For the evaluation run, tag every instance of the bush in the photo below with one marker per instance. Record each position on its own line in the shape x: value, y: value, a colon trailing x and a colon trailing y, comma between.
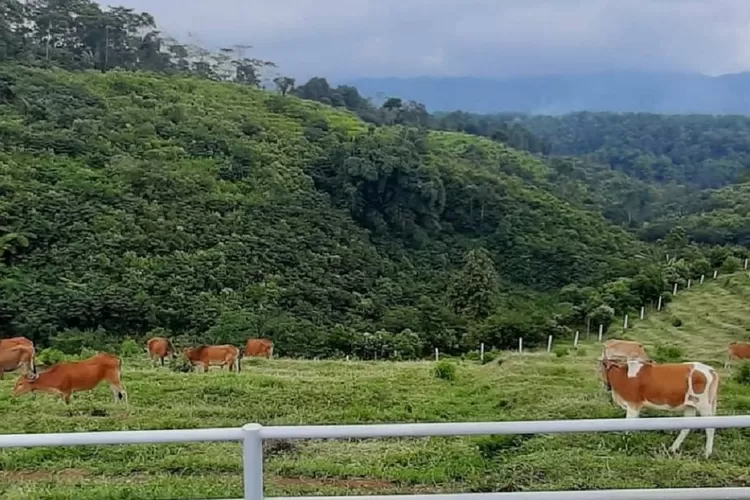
x: 676, y: 322
x: 668, y: 354
x: 445, y: 370
x: 73, y: 341
x: 581, y: 351
x: 561, y: 351
x: 731, y: 265
x: 130, y: 349
x: 50, y: 356
x: 742, y: 376
x: 180, y: 364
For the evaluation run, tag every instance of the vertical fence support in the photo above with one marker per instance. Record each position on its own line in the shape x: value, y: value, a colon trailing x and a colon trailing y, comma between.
x: 437, y: 354
x: 716, y: 273
x: 658, y: 308
x: 252, y: 462
x: 703, y: 277
x: 549, y: 344
x: 674, y: 290
x: 520, y: 345
x: 643, y: 312
x: 689, y: 282
x: 601, y: 331
x: 625, y: 323
x: 481, y: 351
x: 745, y: 264
x: 575, y: 341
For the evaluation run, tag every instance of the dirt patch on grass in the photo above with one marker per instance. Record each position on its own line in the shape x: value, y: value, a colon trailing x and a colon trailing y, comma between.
x: 335, y: 482
x: 71, y: 475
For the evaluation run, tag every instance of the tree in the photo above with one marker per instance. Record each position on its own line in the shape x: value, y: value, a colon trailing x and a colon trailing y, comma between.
x: 284, y: 84
x: 474, y: 287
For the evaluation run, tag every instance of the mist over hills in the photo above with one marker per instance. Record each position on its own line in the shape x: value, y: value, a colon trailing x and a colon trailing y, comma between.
x: 665, y: 93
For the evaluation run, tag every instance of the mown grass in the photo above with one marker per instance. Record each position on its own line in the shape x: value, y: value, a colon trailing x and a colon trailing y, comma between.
x: 522, y: 387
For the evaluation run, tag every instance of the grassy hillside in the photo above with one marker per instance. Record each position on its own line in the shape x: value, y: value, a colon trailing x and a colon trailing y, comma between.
x: 531, y: 386
x: 133, y: 202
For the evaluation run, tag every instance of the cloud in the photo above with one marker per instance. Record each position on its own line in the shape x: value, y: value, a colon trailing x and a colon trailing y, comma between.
x: 345, y: 38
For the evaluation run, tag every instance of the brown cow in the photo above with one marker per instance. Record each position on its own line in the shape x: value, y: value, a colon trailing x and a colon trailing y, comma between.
x: 627, y: 349
x: 687, y: 387
x: 207, y: 355
x: 159, y: 348
x: 14, y: 341
x: 19, y: 356
x: 736, y: 351
x: 259, y: 347
x: 68, y: 377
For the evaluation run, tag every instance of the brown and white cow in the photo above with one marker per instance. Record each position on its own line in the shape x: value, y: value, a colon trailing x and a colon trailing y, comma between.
x: 259, y: 347
x: 159, y: 348
x: 68, y: 377
x: 688, y: 387
x: 737, y: 351
x: 207, y: 355
x: 18, y: 356
x: 625, y: 349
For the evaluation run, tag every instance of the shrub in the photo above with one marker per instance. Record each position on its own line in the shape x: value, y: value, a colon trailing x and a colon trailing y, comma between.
x: 180, y: 364
x: 445, y: 370
x: 50, y: 356
x: 742, y: 376
x: 676, y: 322
x: 73, y: 341
x: 581, y: 351
x: 130, y: 349
x: 561, y: 351
x: 668, y: 354
x: 731, y: 264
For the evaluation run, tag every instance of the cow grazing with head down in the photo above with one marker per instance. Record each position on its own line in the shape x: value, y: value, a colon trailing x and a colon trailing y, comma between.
x: 207, y: 355
x: 160, y: 348
x: 18, y: 356
x: 737, y: 351
x: 68, y: 377
x: 687, y: 387
x: 259, y: 347
x: 624, y: 349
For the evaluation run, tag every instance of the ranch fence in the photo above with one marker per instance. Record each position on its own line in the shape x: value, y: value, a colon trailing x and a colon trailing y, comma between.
x: 252, y: 436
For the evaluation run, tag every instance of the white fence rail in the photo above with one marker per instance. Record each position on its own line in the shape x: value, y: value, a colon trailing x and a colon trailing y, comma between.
x: 252, y: 435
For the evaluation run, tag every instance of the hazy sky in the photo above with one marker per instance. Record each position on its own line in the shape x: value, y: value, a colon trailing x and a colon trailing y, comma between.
x: 345, y: 38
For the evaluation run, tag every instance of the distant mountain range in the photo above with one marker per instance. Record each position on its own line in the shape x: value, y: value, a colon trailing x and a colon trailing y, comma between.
x: 669, y: 93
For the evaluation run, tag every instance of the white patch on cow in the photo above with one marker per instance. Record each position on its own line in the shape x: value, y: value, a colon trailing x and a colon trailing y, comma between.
x: 634, y: 366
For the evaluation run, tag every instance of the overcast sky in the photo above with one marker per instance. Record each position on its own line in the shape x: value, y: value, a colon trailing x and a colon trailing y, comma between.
x: 349, y: 38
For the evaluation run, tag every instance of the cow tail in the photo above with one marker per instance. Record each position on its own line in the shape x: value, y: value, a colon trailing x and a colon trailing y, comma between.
x: 713, y: 391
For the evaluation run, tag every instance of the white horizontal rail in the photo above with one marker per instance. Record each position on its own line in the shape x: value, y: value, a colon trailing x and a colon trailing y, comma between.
x: 252, y: 436
x: 487, y: 428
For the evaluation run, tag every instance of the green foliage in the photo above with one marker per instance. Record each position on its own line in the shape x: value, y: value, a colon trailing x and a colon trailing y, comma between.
x: 473, y: 290
x: 676, y: 322
x: 445, y: 370
x: 129, y: 348
x: 742, y: 373
x: 731, y: 264
x: 180, y: 364
x: 669, y: 354
x: 51, y: 356
x: 560, y: 351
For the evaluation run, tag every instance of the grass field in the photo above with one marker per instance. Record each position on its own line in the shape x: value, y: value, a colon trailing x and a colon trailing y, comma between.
x: 531, y: 386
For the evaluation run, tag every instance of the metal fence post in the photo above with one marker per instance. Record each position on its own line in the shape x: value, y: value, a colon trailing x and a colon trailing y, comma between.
x: 252, y: 462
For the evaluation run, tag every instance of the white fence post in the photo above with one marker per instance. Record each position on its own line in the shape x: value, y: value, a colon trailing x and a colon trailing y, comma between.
x: 437, y: 354
x: 601, y: 331
x: 252, y: 462
x: 549, y: 344
x: 481, y: 351
x: 674, y: 290
x: 716, y: 273
x: 625, y: 323
x: 703, y: 277
x: 745, y: 263
x: 575, y: 341
x: 658, y: 308
x: 643, y: 312
x: 520, y: 345
x: 689, y: 281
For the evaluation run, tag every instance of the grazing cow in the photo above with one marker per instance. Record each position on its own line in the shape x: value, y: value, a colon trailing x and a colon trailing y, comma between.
x: 737, y: 350
x: 160, y: 348
x: 14, y: 341
x: 18, y: 356
x: 68, y: 377
x: 686, y: 387
x: 627, y: 349
x: 207, y: 355
x: 259, y: 347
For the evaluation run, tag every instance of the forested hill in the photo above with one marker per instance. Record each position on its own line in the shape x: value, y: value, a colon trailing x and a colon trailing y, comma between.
x: 699, y: 151
x: 133, y: 202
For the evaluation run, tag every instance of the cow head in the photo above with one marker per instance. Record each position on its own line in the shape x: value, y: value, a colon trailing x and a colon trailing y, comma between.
x: 605, y: 365
x: 25, y: 384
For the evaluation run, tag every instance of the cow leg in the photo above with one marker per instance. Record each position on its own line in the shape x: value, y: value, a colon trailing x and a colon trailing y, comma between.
x: 205, y: 367
x: 689, y: 412
x: 631, y: 412
x: 708, y: 411
x: 162, y: 360
x: 66, y: 397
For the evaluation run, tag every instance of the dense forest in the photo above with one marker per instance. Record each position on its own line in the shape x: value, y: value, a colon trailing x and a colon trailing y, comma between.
x: 150, y: 186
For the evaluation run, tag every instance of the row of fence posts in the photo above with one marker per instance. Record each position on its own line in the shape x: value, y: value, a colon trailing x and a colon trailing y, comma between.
x: 625, y: 323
